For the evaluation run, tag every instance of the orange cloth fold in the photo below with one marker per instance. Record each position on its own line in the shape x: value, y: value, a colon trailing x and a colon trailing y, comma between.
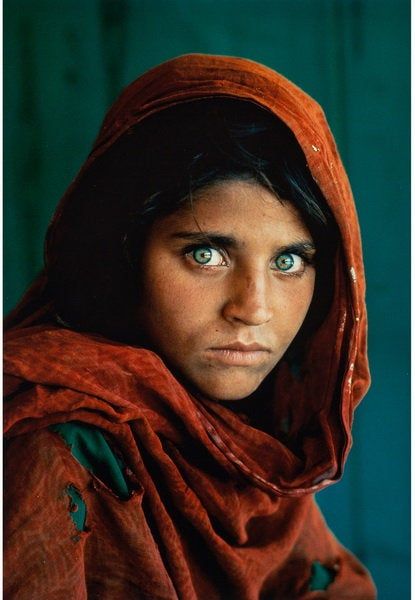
x: 221, y: 508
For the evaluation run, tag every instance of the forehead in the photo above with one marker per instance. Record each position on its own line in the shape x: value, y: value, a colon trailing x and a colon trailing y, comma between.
x: 241, y: 208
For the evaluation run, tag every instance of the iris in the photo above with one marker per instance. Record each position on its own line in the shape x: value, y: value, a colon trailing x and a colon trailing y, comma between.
x: 284, y: 262
x: 202, y: 255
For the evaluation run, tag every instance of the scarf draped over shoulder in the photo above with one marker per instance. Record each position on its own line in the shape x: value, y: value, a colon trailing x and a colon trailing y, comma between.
x: 217, y: 508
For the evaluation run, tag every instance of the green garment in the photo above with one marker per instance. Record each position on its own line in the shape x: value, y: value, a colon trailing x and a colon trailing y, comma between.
x: 91, y: 449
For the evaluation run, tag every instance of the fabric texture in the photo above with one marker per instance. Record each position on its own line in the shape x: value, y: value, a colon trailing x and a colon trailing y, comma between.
x: 89, y: 446
x: 217, y: 508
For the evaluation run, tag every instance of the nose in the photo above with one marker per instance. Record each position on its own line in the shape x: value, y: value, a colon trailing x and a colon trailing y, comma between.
x: 248, y: 300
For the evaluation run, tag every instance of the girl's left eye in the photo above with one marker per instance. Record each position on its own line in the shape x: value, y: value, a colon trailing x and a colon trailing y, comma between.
x: 205, y: 255
x: 289, y: 263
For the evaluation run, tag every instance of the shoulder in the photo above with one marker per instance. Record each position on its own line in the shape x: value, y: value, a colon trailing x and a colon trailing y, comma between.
x: 39, y: 475
x: 68, y: 534
x: 37, y: 457
x: 42, y: 541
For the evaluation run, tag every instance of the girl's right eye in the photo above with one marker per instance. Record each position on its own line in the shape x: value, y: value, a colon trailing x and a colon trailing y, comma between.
x: 207, y: 256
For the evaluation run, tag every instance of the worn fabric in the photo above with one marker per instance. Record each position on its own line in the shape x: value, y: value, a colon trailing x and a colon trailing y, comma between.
x: 217, y: 507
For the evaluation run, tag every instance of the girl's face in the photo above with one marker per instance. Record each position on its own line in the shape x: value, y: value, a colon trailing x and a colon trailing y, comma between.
x: 227, y: 284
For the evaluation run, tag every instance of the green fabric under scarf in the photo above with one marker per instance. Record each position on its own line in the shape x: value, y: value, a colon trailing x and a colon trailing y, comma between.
x: 90, y: 448
x: 77, y: 508
x: 321, y: 577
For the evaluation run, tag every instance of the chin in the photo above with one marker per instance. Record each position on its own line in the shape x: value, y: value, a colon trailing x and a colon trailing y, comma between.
x: 221, y: 384
x: 228, y: 391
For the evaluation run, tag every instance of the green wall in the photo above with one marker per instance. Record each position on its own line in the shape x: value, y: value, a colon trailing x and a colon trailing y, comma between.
x: 65, y: 61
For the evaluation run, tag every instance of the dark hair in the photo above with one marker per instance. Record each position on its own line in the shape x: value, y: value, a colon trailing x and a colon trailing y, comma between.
x: 151, y: 172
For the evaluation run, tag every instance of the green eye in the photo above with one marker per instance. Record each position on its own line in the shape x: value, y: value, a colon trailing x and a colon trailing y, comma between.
x: 289, y: 263
x: 285, y: 262
x: 202, y: 255
x: 206, y: 256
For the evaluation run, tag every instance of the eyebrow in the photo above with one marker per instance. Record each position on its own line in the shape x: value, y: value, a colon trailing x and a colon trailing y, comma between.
x: 213, y: 238
x: 217, y: 239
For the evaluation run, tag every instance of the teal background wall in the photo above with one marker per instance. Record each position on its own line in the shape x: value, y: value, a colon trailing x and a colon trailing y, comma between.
x: 65, y: 61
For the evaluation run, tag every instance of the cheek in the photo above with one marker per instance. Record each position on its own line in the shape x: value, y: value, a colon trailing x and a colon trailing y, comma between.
x: 305, y: 297
x: 297, y: 304
x: 172, y: 310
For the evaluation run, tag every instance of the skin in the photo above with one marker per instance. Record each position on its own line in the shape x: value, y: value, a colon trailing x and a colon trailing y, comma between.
x: 223, y: 325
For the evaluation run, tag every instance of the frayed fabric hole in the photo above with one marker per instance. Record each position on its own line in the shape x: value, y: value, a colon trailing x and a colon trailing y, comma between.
x: 77, y: 507
x: 321, y: 576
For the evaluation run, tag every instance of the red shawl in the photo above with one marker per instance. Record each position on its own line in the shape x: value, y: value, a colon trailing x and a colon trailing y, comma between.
x: 221, y: 509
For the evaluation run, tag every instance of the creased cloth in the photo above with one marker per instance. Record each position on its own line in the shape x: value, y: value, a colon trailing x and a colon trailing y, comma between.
x: 220, y: 509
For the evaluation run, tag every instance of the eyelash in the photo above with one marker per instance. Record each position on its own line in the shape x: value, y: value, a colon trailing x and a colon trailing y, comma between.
x: 189, y: 251
x: 306, y: 260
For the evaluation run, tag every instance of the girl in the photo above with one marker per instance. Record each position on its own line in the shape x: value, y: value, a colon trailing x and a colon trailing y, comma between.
x: 181, y: 378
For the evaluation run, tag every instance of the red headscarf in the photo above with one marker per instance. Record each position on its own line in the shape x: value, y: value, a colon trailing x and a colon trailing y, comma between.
x: 208, y: 479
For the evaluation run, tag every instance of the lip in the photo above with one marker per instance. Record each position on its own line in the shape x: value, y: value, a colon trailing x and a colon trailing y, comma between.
x: 239, y: 354
x: 241, y: 347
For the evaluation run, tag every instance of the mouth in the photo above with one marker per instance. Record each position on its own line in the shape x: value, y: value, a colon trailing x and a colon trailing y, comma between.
x: 238, y: 354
